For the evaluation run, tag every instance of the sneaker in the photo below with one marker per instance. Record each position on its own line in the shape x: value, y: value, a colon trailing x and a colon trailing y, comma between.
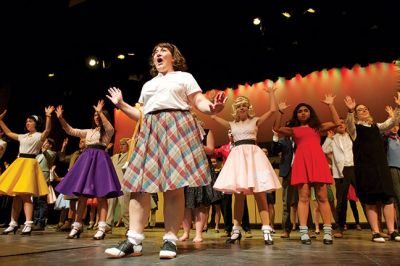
x: 395, y: 236
x: 124, y: 248
x: 168, y: 250
x: 248, y: 234
x: 376, y: 237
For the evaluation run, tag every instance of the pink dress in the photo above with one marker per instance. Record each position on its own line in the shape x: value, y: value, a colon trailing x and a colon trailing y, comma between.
x: 247, y: 168
x: 310, y: 164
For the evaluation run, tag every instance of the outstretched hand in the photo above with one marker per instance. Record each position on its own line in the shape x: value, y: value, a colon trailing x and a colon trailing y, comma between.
x: 350, y: 103
x: 389, y: 109
x: 329, y: 99
x: 99, y: 107
x: 48, y: 110
x: 3, y: 114
x: 282, y: 106
x: 270, y: 89
x: 115, y: 95
x: 59, y: 111
x: 219, y: 102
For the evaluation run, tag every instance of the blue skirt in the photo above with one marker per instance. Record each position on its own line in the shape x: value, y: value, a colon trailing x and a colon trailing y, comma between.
x: 93, y: 175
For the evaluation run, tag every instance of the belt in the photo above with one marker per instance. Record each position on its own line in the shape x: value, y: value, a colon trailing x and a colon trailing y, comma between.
x: 167, y: 110
x: 245, y: 141
x: 96, y: 146
x: 27, y: 155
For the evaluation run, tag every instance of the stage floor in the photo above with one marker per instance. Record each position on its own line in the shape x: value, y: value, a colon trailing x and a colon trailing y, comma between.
x: 51, y: 248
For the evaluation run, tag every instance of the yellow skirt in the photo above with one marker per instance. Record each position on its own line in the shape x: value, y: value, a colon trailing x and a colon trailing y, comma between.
x: 23, y: 176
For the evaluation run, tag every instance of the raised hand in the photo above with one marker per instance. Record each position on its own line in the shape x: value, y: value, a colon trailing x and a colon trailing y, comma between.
x: 329, y: 99
x: 99, y: 107
x: 282, y: 106
x: 115, y: 95
x: 350, y: 103
x: 389, y: 109
x: 3, y: 114
x: 219, y: 102
x: 270, y: 89
x: 48, y: 110
x: 59, y: 111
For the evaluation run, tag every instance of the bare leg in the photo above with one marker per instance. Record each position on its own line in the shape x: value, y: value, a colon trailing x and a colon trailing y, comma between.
x: 201, y: 216
x: 238, y: 209
x: 174, y: 204
x: 139, y: 210
x: 389, y: 213
x: 186, y: 224
x: 304, y: 202
x: 372, y: 215
x: 262, y: 205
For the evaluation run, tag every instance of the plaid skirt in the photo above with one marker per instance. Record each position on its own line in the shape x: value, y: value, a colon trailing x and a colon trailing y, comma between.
x: 169, y: 154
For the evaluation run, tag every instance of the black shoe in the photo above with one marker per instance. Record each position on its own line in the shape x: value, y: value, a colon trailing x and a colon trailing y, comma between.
x: 100, y: 237
x: 394, y: 236
x: 168, y: 250
x: 124, y: 248
x: 328, y: 241
x: 306, y: 241
x: 74, y: 233
x: 9, y: 230
x: 233, y: 240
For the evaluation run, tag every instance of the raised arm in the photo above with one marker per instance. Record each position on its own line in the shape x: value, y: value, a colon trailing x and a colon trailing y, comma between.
x: 350, y: 119
x: 48, y: 110
x: 107, y: 125
x: 272, y: 104
x: 115, y: 96
x: 286, y: 131
x: 68, y: 129
x: 221, y: 121
x: 5, y: 128
x: 204, y: 105
x: 394, y: 115
x: 330, y: 102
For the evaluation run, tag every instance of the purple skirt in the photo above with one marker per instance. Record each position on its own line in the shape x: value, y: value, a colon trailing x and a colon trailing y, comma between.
x: 93, y: 175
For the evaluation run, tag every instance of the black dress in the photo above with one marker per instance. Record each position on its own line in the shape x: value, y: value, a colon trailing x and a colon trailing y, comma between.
x: 372, y: 172
x: 203, y: 196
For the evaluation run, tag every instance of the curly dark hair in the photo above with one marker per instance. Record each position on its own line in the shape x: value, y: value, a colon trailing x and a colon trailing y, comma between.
x: 313, y: 121
x: 179, y: 60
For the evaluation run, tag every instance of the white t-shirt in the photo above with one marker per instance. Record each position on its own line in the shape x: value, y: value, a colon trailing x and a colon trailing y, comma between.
x: 30, y: 143
x: 169, y: 91
x: 3, y: 146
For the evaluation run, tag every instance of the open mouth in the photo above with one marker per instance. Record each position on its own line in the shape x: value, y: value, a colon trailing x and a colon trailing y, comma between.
x: 159, y: 60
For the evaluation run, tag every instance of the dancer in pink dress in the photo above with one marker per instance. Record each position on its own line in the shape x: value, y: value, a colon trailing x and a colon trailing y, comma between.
x: 310, y: 166
x: 247, y: 169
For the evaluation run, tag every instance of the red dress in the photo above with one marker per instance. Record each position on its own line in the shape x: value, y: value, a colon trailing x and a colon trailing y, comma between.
x: 310, y: 164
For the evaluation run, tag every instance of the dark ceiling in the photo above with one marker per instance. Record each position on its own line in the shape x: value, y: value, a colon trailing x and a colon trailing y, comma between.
x: 222, y: 47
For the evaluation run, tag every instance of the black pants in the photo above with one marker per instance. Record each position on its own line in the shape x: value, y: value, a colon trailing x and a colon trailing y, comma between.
x: 342, y: 189
x: 226, y: 209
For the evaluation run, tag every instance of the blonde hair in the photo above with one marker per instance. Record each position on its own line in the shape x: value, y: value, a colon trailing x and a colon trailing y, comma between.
x: 369, y: 120
x: 239, y: 101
